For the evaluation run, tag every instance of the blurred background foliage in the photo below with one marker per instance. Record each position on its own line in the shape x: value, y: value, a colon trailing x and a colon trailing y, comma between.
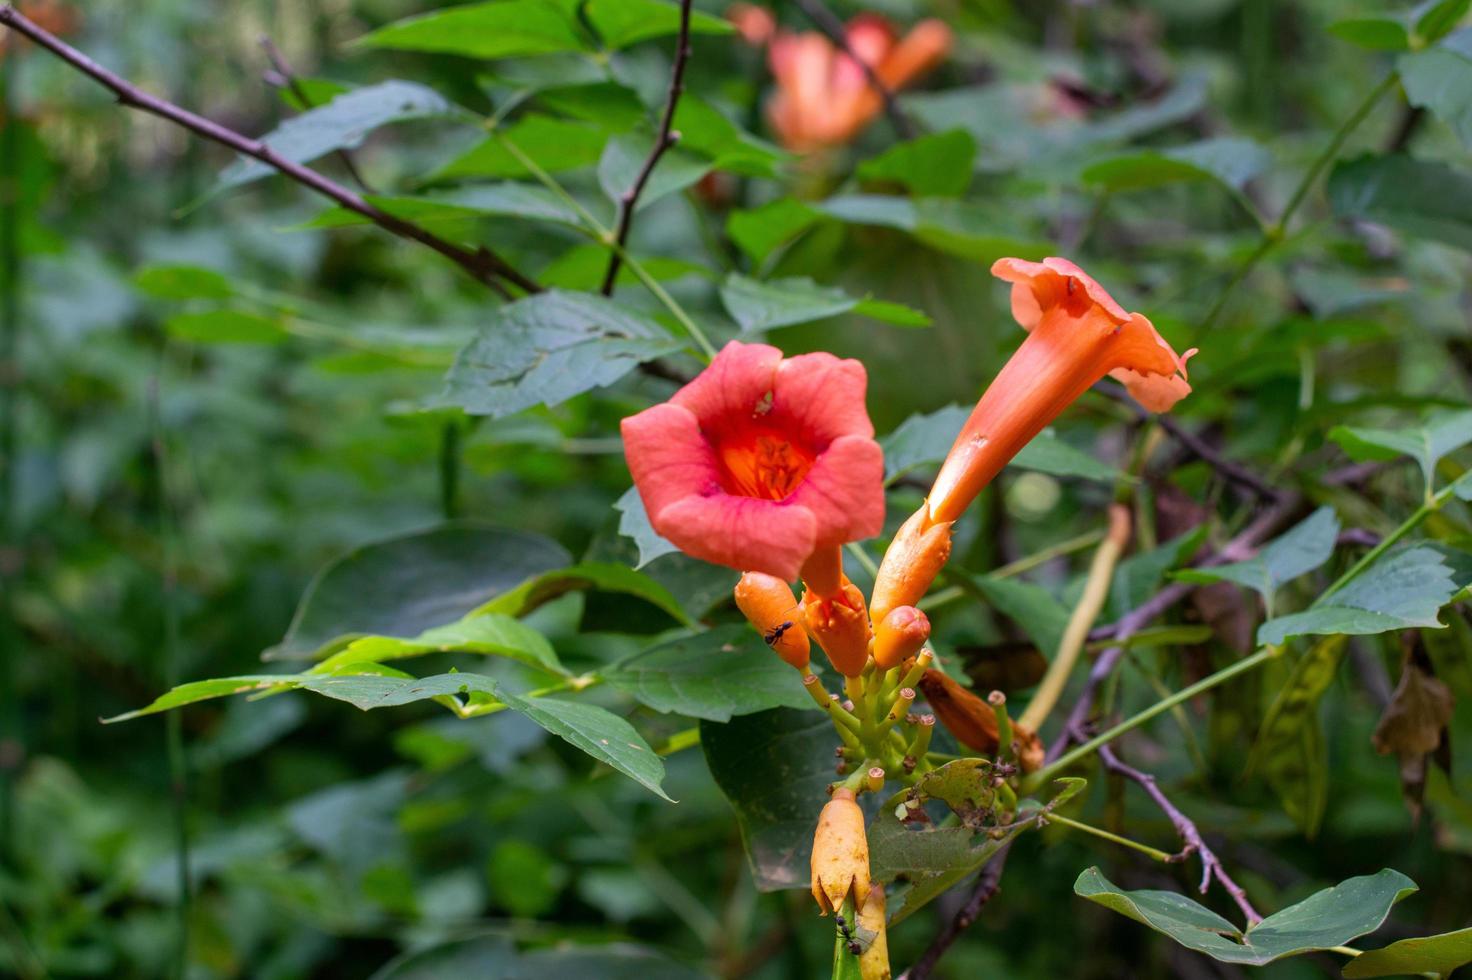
x: 171, y: 496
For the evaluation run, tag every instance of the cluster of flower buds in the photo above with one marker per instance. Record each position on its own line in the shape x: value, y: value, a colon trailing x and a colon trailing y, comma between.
x: 769, y: 465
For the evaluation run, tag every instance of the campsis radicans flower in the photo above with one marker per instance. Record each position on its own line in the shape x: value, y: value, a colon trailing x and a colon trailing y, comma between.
x: 824, y: 97
x: 761, y: 461
x: 840, y: 863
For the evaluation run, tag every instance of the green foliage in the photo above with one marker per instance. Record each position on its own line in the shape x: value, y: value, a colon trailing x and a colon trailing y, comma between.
x: 785, y: 302
x: 1433, y: 954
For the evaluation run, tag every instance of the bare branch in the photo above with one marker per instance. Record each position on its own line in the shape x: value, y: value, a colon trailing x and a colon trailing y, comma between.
x: 284, y: 77
x: 484, y: 265
x: 663, y: 140
x: 827, y: 22
x: 1211, y: 865
x: 988, y: 883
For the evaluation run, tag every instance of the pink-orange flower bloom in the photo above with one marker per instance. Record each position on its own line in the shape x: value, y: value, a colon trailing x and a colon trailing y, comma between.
x: 1077, y: 335
x: 761, y: 460
x: 824, y: 97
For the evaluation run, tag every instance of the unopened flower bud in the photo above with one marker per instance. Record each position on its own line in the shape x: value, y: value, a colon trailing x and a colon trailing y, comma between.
x: 874, y: 961
x: 912, y: 562
x: 840, y: 624
x: 840, y: 853
x: 772, y: 608
x: 970, y: 719
x: 899, y: 636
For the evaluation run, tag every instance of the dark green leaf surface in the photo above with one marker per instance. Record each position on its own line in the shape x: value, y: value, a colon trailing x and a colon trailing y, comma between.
x: 1418, y: 197
x: 1297, y: 552
x: 939, y: 164
x: 1430, y: 954
x: 1231, y: 161
x: 784, y: 302
x: 557, y: 146
x: 498, y: 29
x: 1440, y: 79
x: 481, y: 632
x: 597, y: 576
x: 624, y: 157
x: 1426, y: 443
x: 225, y: 326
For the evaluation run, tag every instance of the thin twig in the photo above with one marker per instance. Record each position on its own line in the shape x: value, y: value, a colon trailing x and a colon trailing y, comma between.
x: 1211, y: 865
x: 285, y: 78
x: 663, y: 140
x: 481, y: 263
x: 1197, y: 446
x: 988, y: 883
x: 827, y: 22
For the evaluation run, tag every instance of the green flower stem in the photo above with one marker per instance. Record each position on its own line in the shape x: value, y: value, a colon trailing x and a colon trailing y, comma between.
x: 1043, y: 775
x: 1155, y: 853
x: 606, y: 237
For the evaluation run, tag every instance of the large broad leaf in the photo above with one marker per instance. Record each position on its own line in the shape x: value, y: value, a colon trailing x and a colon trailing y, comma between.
x: 595, y: 576
x: 547, y: 348
x: 1297, y: 552
x: 341, y: 124
x: 784, y: 302
x: 925, y: 439
x: 761, y: 231
x: 498, y: 29
x: 969, y: 229
x: 406, y: 585
x: 1440, y: 79
x: 1402, y: 590
x: 713, y: 676
x: 1042, y: 617
x: 1418, y: 197
x: 937, y: 165
x: 1324, y: 920
x: 493, y: 634
x: 1230, y: 161
x: 1426, y: 443
x: 1402, y: 30
x: 928, y: 861
x: 1431, y: 954
x: 774, y: 767
x: 624, y: 157
x: 557, y: 145
x: 620, y: 23
x: 705, y: 130
x: 633, y: 522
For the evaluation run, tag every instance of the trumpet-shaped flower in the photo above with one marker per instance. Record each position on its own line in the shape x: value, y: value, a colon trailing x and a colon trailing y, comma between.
x: 1077, y: 335
x: 824, y: 97
x: 761, y: 460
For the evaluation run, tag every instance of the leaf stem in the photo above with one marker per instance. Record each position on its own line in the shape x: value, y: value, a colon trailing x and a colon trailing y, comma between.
x: 1419, y: 515
x: 1103, y: 834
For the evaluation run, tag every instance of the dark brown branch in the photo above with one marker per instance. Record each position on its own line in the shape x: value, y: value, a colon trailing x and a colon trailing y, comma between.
x: 988, y: 883
x: 482, y: 264
x: 827, y: 22
x: 1211, y: 865
x: 663, y: 140
x: 283, y: 77
x: 1199, y: 447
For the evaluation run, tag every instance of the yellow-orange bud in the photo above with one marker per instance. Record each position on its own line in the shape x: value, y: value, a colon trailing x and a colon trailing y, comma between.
x: 840, y: 853
x: 874, y: 961
x: 912, y: 562
x: 772, y: 608
x: 840, y: 624
x: 899, y: 636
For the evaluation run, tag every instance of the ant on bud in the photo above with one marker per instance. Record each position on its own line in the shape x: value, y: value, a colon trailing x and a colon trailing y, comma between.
x: 773, y: 636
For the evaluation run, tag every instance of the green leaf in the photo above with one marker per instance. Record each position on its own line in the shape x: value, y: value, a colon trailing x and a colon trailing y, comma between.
x: 1374, y: 33
x: 480, y: 956
x: 1418, y: 197
x: 547, y: 348
x: 598, y: 576
x: 1289, y: 750
x: 582, y: 268
x: 406, y: 585
x: 1042, y: 617
x: 225, y: 326
x: 1230, y: 161
x: 705, y: 130
x: 783, y: 302
x: 713, y: 676
x: 611, y: 961
x: 341, y: 124
x: 774, y: 767
x: 605, y: 103
x: 1137, y: 577
x: 931, y: 860
x: 557, y: 145
x: 1440, y: 79
x: 1402, y: 590
x: 633, y: 522
x: 1434, y: 18
x: 1299, y: 551
x: 621, y: 23
x: 968, y: 229
x: 1430, y: 954
x: 925, y: 439
x: 183, y: 282
x: 1324, y: 920
x: 761, y: 231
x: 499, y: 29
x: 1427, y: 444
x: 938, y: 164
x: 624, y: 157
x: 196, y: 691
x: 487, y: 633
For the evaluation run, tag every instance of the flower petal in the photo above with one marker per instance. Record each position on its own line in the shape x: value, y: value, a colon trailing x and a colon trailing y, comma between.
x: 1040, y: 286
x: 668, y: 457
x: 745, y: 533
x: 734, y: 386
x: 823, y: 397
x: 845, y: 492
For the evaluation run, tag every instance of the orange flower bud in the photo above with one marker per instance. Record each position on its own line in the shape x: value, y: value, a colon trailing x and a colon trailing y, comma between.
x: 970, y: 719
x: 772, y: 608
x: 874, y: 961
x: 840, y: 624
x: 840, y: 853
x: 912, y: 562
x: 899, y: 636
